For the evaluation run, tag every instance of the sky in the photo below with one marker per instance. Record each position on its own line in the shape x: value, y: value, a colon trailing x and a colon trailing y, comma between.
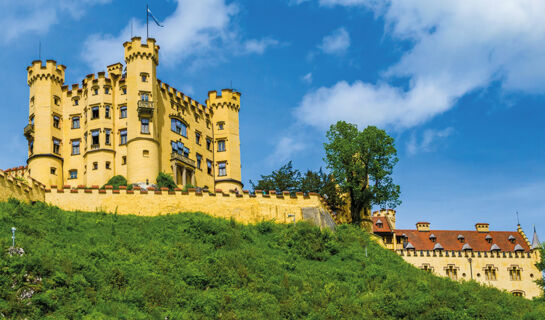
x: 459, y: 84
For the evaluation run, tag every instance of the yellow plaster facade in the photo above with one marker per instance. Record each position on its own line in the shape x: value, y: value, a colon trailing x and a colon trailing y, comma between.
x: 512, y: 271
x: 127, y: 122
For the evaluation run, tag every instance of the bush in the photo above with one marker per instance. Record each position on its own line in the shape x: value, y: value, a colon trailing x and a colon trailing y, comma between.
x: 165, y: 180
x: 116, y: 182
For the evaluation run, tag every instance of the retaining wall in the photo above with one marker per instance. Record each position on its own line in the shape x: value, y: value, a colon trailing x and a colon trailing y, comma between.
x: 25, y: 190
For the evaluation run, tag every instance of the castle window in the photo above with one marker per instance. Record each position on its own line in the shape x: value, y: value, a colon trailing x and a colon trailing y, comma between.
x: 515, y: 273
x: 107, y: 137
x: 95, y: 91
x: 95, y: 140
x: 107, y: 112
x: 198, y: 138
x: 144, y: 77
x: 123, y: 90
x: 221, y: 125
x: 123, y: 160
x: 123, y: 137
x: 209, y: 144
x: 56, y: 122
x: 75, y: 147
x: 76, y: 102
x: 95, y: 165
x: 426, y: 267
x: 199, y: 160
x: 222, y: 169
x: 75, y: 123
x: 221, y: 145
x: 518, y: 293
x: 144, y: 97
x: 490, y: 273
x: 56, y: 146
x: 452, y: 272
x: 94, y: 113
x: 31, y: 146
x: 57, y: 100
x: 209, y: 166
x: 123, y: 112
x: 145, y: 153
x: 32, y: 120
x: 144, y: 125
x: 178, y: 126
x: 73, y: 174
x: 32, y: 101
x: 186, y: 152
x: 53, y: 170
x: 106, y: 90
x: 108, y: 165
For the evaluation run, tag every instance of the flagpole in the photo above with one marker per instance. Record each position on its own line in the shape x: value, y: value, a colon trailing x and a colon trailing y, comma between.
x: 147, y: 18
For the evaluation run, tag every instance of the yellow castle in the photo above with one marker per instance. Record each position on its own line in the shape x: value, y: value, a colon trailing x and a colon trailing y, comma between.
x: 127, y: 122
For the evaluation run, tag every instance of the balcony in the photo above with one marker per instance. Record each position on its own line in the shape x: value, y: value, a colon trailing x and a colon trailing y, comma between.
x: 29, y: 131
x: 183, y: 159
x: 95, y: 146
x: 145, y: 107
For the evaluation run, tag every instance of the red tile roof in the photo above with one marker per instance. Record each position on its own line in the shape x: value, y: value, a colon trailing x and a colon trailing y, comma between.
x: 449, y: 239
x: 384, y: 227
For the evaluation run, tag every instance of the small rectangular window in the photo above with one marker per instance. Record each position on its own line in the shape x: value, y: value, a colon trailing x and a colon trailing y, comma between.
x: 123, y: 112
x: 221, y: 145
x: 209, y: 144
x: 56, y: 122
x: 145, y: 153
x: 107, y: 90
x: 95, y: 113
x: 178, y: 126
x: 76, y: 102
x: 95, y: 91
x: 56, y: 146
x: 107, y: 164
x: 73, y: 174
x: 124, y: 90
x: 75, y: 123
x: 75, y: 147
x: 31, y: 146
x: 124, y: 160
x: 221, y: 125
x: 198, y: 138
x: 107, y: 137
x: 145, y: 125
x: 123, y: 137
x: 209, y: 167
x: 199, y: 160
x: 53, y: 170
x: 95, y: 165
x: 144, y: 78
x: 144, y: 97
x: 107, y: 112
x: 95, y: 139
x: 222, y: 169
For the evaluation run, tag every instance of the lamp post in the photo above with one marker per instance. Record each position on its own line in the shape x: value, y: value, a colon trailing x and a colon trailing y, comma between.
x: 470, y: 267
x: 13, y: 236
x: 292, y: 216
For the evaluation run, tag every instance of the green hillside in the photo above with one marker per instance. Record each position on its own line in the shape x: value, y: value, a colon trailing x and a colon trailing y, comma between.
x: 191, y: 266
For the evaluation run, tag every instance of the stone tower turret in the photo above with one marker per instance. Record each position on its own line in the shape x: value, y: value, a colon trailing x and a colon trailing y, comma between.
x: 43, y: 132
x: 227, y: 167
x: 143, y: 147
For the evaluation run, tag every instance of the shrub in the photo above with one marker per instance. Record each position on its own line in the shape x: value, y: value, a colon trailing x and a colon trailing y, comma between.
x: 165, y: 180
x: 116, y: 182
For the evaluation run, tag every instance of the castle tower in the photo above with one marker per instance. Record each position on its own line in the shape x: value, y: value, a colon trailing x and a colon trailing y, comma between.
x: 43, y: 132
x: 227, y: 166
x: 142, y: 117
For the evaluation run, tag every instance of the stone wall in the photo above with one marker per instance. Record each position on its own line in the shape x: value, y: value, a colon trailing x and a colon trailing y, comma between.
x: 24, y: 189
x: 244, y: 207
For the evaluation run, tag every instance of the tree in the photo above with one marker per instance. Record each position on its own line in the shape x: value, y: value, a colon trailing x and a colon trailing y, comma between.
x: 284, y: 179
x: 324, y: 184
x: 165, y: 180
x: 361, y: 163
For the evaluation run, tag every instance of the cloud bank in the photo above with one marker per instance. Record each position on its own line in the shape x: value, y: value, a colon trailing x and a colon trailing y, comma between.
x: 457, y: 47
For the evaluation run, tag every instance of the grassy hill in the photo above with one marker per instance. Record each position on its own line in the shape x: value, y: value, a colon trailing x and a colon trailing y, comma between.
x: 98, y: 266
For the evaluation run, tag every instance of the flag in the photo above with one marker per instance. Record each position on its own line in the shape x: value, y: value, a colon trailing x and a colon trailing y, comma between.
x: 151, y: 14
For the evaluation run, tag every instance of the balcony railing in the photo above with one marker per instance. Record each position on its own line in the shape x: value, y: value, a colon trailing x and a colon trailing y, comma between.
x: 95, y: 146
x: 145, y: 107
x: 182, y: 158
x: 29, y: 130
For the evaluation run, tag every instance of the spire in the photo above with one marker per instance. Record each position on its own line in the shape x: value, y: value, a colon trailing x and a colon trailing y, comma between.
x: 535, y: 241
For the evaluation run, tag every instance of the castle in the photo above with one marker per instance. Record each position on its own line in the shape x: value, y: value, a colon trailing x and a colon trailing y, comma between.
x: 127, y: 122
x: 502, y: 259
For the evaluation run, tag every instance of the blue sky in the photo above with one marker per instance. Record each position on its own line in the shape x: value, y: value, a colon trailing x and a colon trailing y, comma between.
x: 459, y: 84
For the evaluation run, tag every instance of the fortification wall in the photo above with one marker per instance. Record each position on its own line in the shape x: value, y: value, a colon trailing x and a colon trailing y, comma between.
x: 244, y: 208
x: 24, y: 190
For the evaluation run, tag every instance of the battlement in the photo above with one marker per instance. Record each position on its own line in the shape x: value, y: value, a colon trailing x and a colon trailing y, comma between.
x: 464, y: 254
x: 226, y: 97
x: 19, y: 187
x: 180, y: 97
x: 136, y: 49
x: 115, y: 70
x: 51, y: 71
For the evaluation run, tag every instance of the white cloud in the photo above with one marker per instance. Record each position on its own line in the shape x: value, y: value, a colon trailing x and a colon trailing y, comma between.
x: 336, y: 43
x: 307, y: 78
x: 429, y: 138
x: 457, y: 47
x: 195, y: 28
x: 37, y: 16
x: 285, y: 148
x: 259, y: 46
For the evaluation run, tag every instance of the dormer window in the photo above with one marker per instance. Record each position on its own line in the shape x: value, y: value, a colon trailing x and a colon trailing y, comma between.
x: 511, y: 239
x: 488, y: 238
x: 379, y: 223
x: 433, y: 238
x: 461, y: 238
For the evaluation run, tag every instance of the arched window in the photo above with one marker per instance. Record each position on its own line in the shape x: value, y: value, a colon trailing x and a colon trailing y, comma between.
x: 515, y: 273
x: 178, y: 126
x: 452, y: 272
x: 490, y: 273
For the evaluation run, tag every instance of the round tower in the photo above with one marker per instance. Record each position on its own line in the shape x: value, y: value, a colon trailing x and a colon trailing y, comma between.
x: 142, y: 120
x: 225, y: 107
x: 43, y: 132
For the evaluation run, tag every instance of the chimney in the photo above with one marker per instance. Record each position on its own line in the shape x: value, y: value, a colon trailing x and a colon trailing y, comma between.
x: 481, y: 227
x: 423, y: 226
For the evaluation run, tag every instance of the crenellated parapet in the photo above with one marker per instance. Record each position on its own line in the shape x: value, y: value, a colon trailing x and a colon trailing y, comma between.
x: 51, y: 71
x: 135, y: 49
x: 226, y: 98
x: 19, y: 187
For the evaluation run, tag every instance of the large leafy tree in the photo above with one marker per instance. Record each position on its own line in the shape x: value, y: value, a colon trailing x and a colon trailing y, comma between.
x: 324, y: 184
x: 284, y: 179
x: 362, y: 163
